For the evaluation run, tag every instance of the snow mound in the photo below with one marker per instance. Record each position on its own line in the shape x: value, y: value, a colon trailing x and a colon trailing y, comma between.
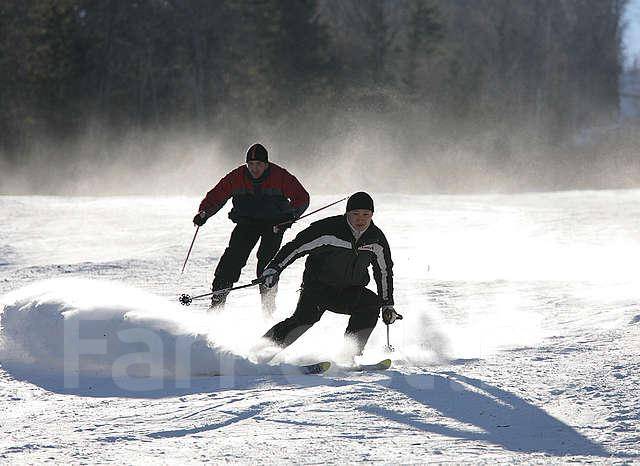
x: 107, y: 329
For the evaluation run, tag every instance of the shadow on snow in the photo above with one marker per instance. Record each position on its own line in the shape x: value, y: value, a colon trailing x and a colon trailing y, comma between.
x: 497, y: 416
x: 283, y: 377
x: 474, y: 409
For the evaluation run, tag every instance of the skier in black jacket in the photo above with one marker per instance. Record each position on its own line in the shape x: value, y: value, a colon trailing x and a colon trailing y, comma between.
x: 339, y: 251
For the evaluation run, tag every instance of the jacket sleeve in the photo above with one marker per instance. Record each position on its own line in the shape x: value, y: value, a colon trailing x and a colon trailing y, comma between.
x: 308, y: 240
x: 295, y: 192
x: 218, y: 196
x: 383, y: 271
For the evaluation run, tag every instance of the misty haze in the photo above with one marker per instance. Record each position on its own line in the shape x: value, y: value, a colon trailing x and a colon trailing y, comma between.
x: 399, y: 96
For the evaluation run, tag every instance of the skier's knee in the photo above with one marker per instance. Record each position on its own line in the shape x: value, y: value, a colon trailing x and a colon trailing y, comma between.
x: 371, y: 318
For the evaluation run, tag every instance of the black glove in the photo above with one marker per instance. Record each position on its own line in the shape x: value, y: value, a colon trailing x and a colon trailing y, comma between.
x: 389, y: 315
x: 200, y: 218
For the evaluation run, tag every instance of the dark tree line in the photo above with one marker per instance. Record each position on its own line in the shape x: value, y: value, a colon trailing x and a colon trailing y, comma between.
x: 550, y: 66
x: 153, y: 62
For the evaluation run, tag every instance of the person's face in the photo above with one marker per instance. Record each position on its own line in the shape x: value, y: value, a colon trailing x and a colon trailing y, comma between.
x: 360, y: 219
x: 256, y: 168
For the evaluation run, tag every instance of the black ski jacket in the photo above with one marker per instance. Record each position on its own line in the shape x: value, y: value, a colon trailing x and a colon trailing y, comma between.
x: 337, y: 260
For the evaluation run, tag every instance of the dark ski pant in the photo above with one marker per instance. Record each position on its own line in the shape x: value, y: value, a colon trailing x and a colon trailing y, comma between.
x: 243, y: 239
x: 359, y: 302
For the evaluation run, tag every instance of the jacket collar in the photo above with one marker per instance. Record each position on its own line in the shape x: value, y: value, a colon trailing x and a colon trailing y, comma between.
x: 264, y: 176
x: 366, y: 233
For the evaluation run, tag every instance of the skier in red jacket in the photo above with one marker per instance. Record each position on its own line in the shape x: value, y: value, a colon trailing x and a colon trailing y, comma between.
x: 263, y: 195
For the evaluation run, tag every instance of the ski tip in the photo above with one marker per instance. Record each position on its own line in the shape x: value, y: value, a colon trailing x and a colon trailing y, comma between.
x: 379, y: 366
x: 325, y: 366
x: 317, y: 368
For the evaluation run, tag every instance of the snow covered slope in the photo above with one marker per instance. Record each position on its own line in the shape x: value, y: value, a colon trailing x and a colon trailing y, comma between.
x: 521, y: 338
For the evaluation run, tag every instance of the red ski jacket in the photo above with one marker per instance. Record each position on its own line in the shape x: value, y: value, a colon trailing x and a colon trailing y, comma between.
x: 275, y: 197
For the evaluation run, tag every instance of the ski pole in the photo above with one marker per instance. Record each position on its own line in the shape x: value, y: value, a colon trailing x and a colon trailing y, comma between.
x: 390, y: 348
x: 185, y: 299
x: 275, y: 227
x: 188, y: 253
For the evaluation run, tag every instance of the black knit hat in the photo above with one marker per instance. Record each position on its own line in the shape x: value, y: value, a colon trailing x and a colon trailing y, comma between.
x: 257, y: 152
x: 360, y: 200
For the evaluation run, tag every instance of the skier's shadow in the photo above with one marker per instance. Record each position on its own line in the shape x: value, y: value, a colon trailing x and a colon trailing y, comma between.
x: 150, y: 388
x: 487, y: 413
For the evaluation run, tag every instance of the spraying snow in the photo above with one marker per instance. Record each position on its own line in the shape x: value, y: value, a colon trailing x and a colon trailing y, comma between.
x: 112, y: 330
